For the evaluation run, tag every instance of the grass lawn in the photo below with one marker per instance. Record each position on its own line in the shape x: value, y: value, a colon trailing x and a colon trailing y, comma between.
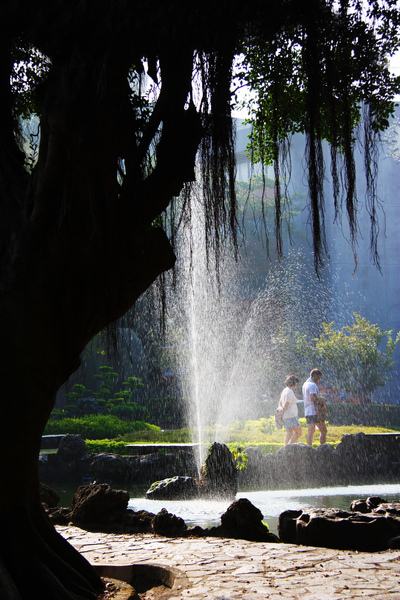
x: 262, y: 433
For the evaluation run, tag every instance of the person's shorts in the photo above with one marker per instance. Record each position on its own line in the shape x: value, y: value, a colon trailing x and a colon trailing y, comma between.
x: 311, y: 419
x: 290, y: 422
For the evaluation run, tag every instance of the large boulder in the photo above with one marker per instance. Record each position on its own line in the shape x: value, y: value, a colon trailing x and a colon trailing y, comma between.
x: 243, y: 520
x: 48, y: 496
x: 164, y: 523
x: 254, y: 473
x: 339, y: 529
x: 97, y: 504
x: 109, y: 468
x: 138, y: 521
x: 72, y: 447
x: 173, y: 488
x: 219, y: 474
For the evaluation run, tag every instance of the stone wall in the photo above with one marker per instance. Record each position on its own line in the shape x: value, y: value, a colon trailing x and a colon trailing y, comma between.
x: 358, y: 459
x: 72, y: 464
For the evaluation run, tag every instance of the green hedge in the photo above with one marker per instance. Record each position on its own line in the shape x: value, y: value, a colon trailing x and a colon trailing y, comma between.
x: 97, y: 427
x: 368, y: 415
x: 107, y: 446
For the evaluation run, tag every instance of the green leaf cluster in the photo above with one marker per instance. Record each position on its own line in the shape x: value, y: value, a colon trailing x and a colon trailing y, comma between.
x: 239, y: 456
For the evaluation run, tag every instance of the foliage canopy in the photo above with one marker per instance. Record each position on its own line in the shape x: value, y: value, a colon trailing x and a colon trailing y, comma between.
x: 325, y: 75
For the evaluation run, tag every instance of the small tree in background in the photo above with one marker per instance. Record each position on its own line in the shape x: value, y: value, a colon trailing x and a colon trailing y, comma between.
x: 352, y: 357
x: 119, y: 404
x: 107, y: 378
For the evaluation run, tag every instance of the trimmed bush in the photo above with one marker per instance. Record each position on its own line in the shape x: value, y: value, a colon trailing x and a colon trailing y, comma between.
x: 106, y: 446
x: 96, y: 427
x: 130, y: 412
x: 367, y: 415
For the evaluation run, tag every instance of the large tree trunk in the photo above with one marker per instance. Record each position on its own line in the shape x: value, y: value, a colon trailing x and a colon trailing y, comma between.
x: 48, y: 315
x: 78, y: 241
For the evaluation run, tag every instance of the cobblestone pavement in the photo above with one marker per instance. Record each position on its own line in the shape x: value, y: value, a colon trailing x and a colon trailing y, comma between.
x: 226, y: 569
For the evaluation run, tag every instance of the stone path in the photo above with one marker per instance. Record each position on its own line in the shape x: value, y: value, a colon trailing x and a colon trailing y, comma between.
x: 225, y: 569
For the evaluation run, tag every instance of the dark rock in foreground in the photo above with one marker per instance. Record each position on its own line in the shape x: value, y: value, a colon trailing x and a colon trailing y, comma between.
x: 243, y: 520
x: 370, y: 525
x: 164, y: 523
x: 138, y: 521
x: 376, y: 528
x: 48, y: 496
x: 96, y: 504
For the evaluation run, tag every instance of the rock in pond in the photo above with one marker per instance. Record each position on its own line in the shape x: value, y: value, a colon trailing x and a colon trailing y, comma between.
x: 376, y: 528
x: 48, y: 496
x: 173, y: 488
x: 219, y: 474
x: 72, y: 447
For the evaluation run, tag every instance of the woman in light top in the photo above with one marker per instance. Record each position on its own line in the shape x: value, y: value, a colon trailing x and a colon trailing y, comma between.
x: 288, y: 406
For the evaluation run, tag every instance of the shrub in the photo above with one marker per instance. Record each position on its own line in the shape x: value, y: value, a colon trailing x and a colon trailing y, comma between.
x: 130, y: 412
x: 96, y: 427
x: 107, y: 446
x: 368, y: 415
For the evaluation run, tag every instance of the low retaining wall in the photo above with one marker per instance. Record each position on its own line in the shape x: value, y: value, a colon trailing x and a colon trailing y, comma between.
x: 359, y: 459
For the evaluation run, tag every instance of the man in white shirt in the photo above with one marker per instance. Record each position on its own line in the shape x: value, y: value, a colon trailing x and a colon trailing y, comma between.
x: 310, y: 393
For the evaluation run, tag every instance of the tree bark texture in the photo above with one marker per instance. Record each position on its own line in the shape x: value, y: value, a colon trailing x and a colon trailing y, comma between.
x: 77, y: 248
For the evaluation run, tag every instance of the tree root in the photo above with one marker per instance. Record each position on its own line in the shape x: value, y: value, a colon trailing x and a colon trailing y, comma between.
x: 42, y: 564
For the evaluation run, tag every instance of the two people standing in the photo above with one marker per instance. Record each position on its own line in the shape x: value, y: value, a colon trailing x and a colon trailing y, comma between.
x: 288, y: 408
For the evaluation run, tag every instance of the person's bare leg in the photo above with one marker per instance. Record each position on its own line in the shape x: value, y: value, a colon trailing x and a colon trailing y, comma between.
x: 288, y: 435
x: 296, y: 434
x: 322, y: 433
x: 310, y: 434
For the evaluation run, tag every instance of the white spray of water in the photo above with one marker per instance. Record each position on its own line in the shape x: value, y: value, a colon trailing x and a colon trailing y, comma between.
x: 223, y: 331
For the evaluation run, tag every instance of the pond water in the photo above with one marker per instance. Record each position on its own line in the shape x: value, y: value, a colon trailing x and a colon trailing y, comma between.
x: 207, y: 513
